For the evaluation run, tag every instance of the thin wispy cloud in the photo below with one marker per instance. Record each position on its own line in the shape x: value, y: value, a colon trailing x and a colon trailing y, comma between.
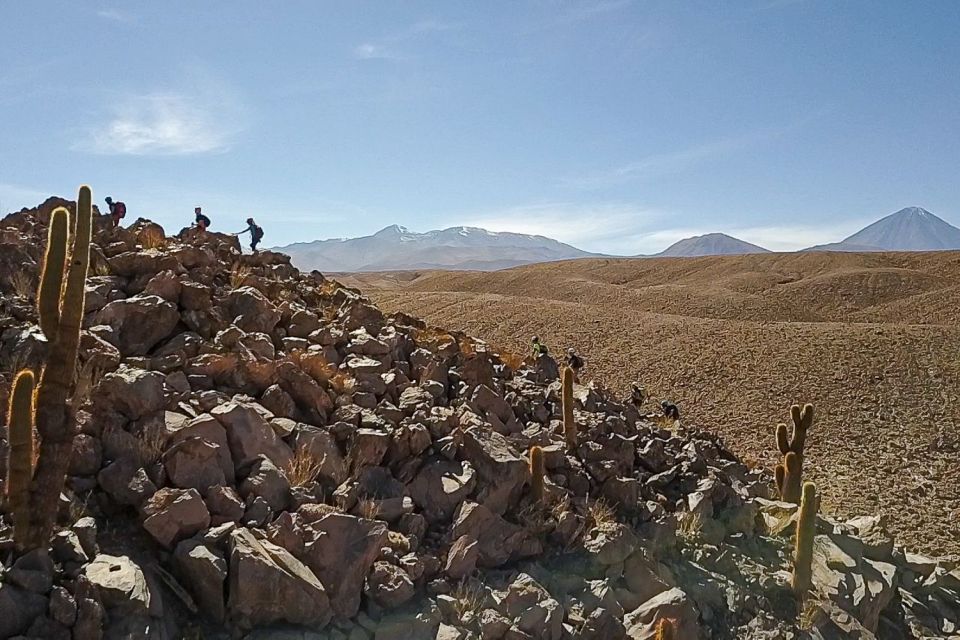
x: 391, y: 46
x: 204, y: 115
x: 116, y: 15
x: 672, y: 162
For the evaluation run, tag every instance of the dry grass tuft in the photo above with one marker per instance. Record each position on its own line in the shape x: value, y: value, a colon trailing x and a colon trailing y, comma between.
x: 152, y: 238
x: 304, y: 467
x: 150, y: 446
x: 470, y: 599
x: 368, y: 509
x: 600, y: 515
x: 23, y: 284
x: 690, y: 526
x: 238, y: 275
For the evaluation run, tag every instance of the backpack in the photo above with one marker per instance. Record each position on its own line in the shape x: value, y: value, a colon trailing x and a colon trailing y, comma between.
x: 257, y: 233
x: 119, y: 209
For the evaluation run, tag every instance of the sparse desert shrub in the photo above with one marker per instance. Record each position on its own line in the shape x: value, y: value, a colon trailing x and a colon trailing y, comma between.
x: 470, y: 599
x: 22, y: 284
x: 690, y: 526
x: 238, y: 275
x: 303, y: 468
x: 152, y: 238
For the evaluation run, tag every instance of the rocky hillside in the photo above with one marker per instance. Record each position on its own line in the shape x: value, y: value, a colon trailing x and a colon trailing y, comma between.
x: 263, y: 453
x: 711, y: 244
x: 396, y: 248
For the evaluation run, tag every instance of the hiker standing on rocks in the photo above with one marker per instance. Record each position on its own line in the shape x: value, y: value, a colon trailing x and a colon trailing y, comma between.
x: 638, y: 395
x: 202, y: 221
x: 538, y: 348
x: 256, y: 233
x: 575, y: 362
x: 670, y: 410
x: 118, y: 211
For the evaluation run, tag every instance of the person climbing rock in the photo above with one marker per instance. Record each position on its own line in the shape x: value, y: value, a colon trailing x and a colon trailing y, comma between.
x: 670, y: 410
x: 539, y: 349
x: 118, y: 211
x: 638, y: 395
x: 574, y: 361
x: 256, y: 233
x: 202, y: 221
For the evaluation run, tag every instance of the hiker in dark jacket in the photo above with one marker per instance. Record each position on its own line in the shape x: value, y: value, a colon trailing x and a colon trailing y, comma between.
x: 202, y: 221
x: 575, y: 362
x: 256, y: 233
x: 118, y: 211
x: 670, y: 410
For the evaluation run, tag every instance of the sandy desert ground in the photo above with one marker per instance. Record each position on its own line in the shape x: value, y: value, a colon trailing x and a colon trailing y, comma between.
x: 870, y: 339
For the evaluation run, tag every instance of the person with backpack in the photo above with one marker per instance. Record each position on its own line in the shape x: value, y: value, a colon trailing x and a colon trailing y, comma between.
x: 539, y: 348
x: 256, y: 233
x: 575, y: 362
x: 118, y: 211
x: 202, y: 221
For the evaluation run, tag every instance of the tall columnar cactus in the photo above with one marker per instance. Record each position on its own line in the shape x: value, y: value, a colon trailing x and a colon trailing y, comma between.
x: 790, y: 472
x: 803, y: 548
x: 569, y: 426
x: 60, y: 305
x: 20, y: 465
x: 537, y: 472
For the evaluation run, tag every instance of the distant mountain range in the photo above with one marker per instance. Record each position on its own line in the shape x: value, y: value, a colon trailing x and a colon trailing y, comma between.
x: 469, y: 248
x: 711, y: 244
x: 457, y: 248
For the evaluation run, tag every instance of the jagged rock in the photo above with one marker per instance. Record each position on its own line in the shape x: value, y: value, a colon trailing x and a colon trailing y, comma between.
x: 204, y: 570
x: 611, y: 543
x: 18, y: 608
x: 340, y: 549
x: 441, y: 486
x: 251, y: 310
x: 268, y: 585
x: 32, y: 571
x: 120, y: 583
x: 389, y: 585
x: 126, y: 482
x: 174, y: 514
x: 63, y: 607
x: 673, y: 604
x: 250, y: 435
x: 138, y: 323
x: 268, y: 482
x: 498, y: 539
x: 209, y: 429
x: 501, y: 469
x: 532, y: 609
x: 194, y: 463
x: 87, y: 455
x: 224, y: 504
x: 131, y: 391
x: 322, y: 447
x: 462, y: 557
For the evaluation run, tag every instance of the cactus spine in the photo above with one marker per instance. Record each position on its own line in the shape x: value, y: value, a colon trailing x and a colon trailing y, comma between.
x: 60, y: 305
x: 20, y: 465
x: 537, y: 471
x: 803, y: 547
x: 666, y: 630
x: 789, y: 473
x: 569, y: 426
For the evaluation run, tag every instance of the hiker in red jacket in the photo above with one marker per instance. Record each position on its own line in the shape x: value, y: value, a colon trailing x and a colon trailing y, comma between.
x: 118, y: 211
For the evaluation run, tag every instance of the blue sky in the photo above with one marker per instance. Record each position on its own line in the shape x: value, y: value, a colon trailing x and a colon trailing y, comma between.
x: 617, y: 125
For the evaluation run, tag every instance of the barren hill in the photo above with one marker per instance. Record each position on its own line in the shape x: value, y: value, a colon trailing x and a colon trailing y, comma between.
x: 871, y: 339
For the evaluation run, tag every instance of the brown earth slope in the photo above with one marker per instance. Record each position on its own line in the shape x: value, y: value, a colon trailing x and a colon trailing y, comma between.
x: 870, y: 339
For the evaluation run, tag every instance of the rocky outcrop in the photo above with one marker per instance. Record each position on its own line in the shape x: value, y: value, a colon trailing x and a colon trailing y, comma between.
x: 265, y: 451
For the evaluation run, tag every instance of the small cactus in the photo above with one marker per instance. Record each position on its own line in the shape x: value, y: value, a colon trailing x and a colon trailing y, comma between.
x: 803, y: 546
x: 802, y: 421
x: 569, y: 426
x: 789, y: 473
x: 537, y: 471
x: 20, y: 465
